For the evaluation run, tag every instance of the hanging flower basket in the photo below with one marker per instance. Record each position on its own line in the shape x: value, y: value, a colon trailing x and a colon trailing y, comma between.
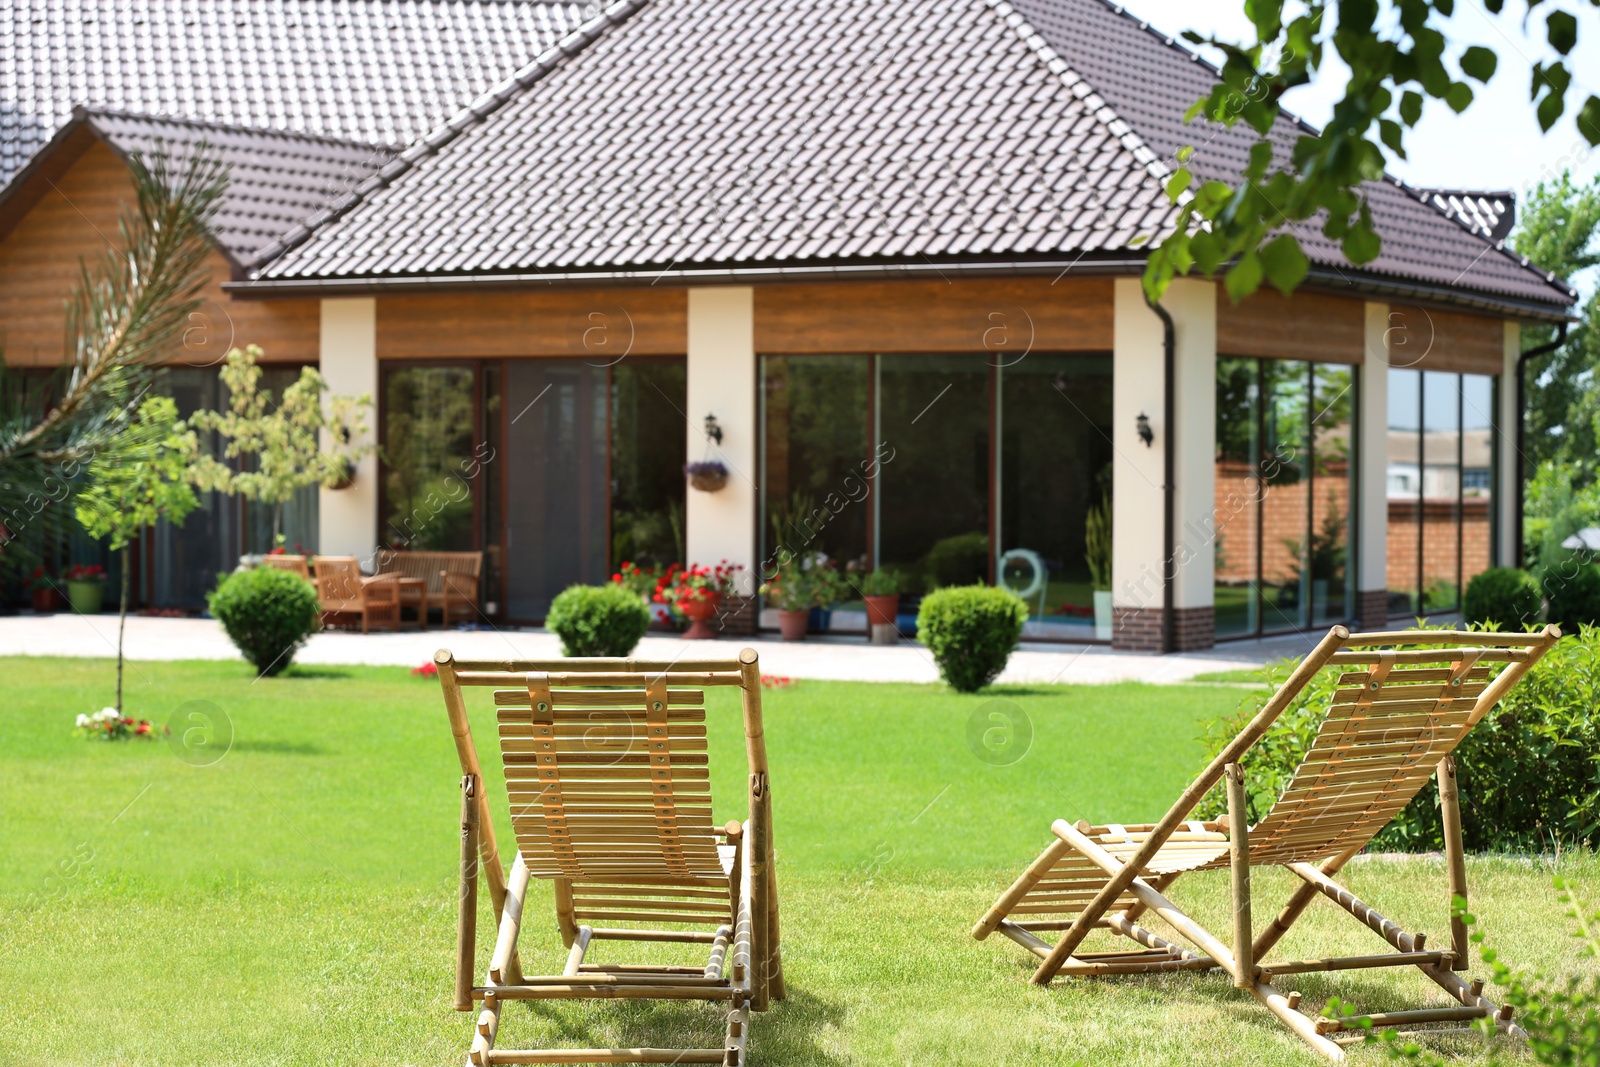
x: 345, y: 480
x: 708, y: 477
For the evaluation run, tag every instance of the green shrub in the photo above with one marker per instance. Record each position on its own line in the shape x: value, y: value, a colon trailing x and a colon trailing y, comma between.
x: 267, y: 613
x: 1529, y: 772
x: 881, y: 582
x: 971, y: 631
x: 598, y: 620
x: 1505, y: 596
x: 959, y: 560
x: 1573, y: 589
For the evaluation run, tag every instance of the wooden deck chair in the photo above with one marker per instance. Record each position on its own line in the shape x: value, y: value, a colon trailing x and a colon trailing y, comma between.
x: 608, y: 780
x: 1396, y: 717
x: 297, y: 565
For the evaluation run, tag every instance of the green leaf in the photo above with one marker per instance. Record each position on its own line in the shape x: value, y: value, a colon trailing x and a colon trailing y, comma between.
x: 1562, y: 29
x: 1479, y: 63
x: 1244, y: 277
x: 1459, y: 97
x: 1207, y: 254
x: 1410, y: 107
x: 1285, y: 264
x: 1390, y: 131
x: 1361, y: 243
x: 1185, y: 153
x: 1178, y: 182
x: 1589, y: 120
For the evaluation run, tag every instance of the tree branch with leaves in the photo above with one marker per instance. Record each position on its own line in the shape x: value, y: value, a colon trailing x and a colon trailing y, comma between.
x: 1397, y: 58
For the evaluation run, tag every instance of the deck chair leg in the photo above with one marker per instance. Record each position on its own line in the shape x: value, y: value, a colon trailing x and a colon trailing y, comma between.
x: 1297, y: 903
x: 1244, y: 975
x: 467, y: 897
x: 1296, y: 1020
x: 1455, y: 857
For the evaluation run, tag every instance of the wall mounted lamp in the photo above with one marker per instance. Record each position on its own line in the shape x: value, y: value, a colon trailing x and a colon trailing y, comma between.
x: 713, y: 430
x: 1146, y: 434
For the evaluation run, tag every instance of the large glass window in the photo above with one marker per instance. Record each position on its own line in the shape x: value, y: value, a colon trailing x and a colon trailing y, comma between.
x: 815, y: 491
x: 1440, y: 487
x: 430, y: 430
x: 648, y: 439
x: 983, y: 472
x: 933, y: 503
x: 1284, y: 471
x: 1055, y: 464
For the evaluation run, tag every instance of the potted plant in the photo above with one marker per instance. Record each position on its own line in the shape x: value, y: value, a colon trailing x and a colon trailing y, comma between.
x: 694, y: 592
x: 801, y: 584
x: 880, y: 591
x: 1097, y: 554
x: 44, y: 593
x: 86, y: 587
x: 707, y: 476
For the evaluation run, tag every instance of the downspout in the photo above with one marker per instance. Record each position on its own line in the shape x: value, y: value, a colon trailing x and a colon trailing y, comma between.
x: 1522, y: 429
x: 1169, y: 567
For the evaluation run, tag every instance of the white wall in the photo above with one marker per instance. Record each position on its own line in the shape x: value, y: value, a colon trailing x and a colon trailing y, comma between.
x: 348, y: 518
x: 1138, y: 514
x: 1372, y: 481
x: 1510, y: 460
x: 722, y: 382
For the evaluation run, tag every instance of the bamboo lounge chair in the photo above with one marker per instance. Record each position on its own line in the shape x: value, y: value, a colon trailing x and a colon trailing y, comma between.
x: 1395, y: 718
x: 608, y: 780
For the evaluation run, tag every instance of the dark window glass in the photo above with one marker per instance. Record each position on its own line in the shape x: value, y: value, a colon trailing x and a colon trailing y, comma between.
x: 1285, y: 466
x: 1238, y: 494
x: 1404, y: 490
x: 1477, y: 475
x: 1332, y: 471
x: 933, y: 503
x: 815, y: 454
x: 1441, y: 491
x: 1055, y: 459
x: 648, y: 442
x: 429, y: 439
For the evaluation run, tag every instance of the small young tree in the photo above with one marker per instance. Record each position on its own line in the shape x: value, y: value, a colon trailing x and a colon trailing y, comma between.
x: 134, y: 480
x: 283, y: 440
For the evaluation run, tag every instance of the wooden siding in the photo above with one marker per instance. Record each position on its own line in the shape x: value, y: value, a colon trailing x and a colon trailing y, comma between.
x: 1432, y: 338
x: 1308, y: 325
x: 598, y: 324
x: 1000, y: 315
x: 73, y: 218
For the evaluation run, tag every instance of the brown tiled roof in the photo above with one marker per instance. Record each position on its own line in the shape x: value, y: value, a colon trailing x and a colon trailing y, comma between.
x: 275, y: 179
x: 372, y: 71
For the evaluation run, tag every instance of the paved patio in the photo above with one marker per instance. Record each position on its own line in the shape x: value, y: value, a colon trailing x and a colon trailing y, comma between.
x: 843, y: 658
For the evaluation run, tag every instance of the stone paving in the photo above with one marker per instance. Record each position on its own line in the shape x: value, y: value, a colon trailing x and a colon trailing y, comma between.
x: 844, y: 658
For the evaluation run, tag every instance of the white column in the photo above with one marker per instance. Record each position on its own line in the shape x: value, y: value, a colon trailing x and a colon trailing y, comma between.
x: 1372, y: 479
x: 347, y: 519
x: 1193, y: 306
x: 1506, y: 440
x: 1137, y: 511
x: 722, y: 382
x: 1138, y: 565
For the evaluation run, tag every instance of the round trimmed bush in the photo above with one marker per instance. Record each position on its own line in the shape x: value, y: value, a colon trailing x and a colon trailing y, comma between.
x: 1573, y: 589
x: 598, y: 620
x: 971, y: 631
x: 1503, y: 595
x: 267, y: 613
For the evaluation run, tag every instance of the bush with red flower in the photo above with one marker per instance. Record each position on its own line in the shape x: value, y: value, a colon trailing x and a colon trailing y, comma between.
x: 679, y: 585
x: 84, y: 572
x: 637, y: 579
x: 108, y: 724
x: 429, y: 669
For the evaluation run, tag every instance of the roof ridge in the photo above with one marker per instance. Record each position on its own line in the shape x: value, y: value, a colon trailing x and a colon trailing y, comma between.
x: 87, y: 112
x: 472, y: 114
x: 1091, y: 98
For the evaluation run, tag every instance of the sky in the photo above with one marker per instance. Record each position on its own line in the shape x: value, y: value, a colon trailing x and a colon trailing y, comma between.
x: 1496, y: 144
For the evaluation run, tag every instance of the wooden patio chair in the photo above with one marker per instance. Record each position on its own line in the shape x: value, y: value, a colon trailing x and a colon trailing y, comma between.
x: 342, y: 592
x: 1396, y: 717
x: 609, y: 787
x: 293, y: 564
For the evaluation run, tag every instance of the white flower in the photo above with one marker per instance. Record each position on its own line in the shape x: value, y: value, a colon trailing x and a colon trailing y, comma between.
x: 106, y: 715
x: 83, y: 720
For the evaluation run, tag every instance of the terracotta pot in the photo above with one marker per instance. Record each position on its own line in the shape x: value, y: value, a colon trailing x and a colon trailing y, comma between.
x: 699, y: 612
x: 881, y: 610
x: 793, y: 623
x: 47, y: 598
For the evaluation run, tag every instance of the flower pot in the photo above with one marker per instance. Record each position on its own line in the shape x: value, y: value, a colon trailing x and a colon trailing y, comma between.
x: 86, y: 597
x: 46, y: 598
x: 708, y: 481
x: 820, y: 620
x: 1102, y: 614
x: 881, y: 612
x: 793, y: 623
x: 699, y: 611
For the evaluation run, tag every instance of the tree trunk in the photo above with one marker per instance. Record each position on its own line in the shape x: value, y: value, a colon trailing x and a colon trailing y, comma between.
x: 277, y: 523
x: 122, y: 624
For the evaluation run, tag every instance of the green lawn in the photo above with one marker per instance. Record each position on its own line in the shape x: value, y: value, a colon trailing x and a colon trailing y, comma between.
x: 294, y: 902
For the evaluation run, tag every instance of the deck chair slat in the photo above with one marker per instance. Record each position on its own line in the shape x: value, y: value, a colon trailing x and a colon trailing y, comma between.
x: 630, y: 699
x: 1413, y: 674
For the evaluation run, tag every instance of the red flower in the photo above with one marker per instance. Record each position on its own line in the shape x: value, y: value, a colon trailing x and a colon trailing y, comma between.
x: 427, y: 670
x: 142, y: 728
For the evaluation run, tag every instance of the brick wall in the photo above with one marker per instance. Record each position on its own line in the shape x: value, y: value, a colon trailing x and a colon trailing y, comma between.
x: 1282, y: 517
x: 1136, y: 629
x: 1438, y: 531
x: 738, y: 616
x: 1372, y: 609
x: 1193, y: 628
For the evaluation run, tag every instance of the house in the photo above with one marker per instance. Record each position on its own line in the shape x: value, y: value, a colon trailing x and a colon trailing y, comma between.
x: 880, y: 260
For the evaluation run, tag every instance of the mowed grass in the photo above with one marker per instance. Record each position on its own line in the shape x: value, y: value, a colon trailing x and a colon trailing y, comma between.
x: 294, y: 902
